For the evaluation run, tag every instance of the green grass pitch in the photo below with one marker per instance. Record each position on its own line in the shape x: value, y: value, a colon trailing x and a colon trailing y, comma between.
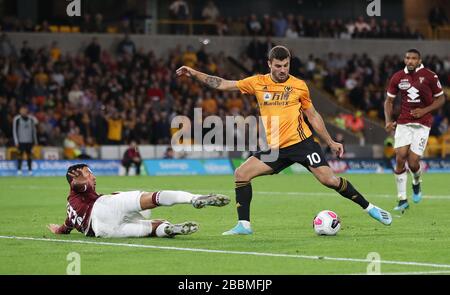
x: 283, y: 207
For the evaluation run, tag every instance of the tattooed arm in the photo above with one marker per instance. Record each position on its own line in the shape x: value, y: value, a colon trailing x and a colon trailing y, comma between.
x: 212, y: 81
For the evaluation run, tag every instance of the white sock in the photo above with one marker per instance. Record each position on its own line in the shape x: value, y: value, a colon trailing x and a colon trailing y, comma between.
x: 160, y: 230
x: 169, y: 198
x: 416, y: 176
x: 369, y: 207
x: 245, y: 223
x: 401, y: 180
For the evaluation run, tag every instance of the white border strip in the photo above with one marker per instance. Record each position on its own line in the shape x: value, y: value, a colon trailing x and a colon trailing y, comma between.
x: 434, y: 272
x: 435, y: 265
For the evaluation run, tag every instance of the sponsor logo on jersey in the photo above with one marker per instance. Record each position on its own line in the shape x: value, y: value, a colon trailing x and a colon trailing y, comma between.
x: 403, y: 85
x: 413, y: 94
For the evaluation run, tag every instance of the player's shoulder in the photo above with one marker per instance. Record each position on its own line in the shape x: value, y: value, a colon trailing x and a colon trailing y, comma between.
x: 254, y: 78
x: 297, y: 82
x: 429, y: 72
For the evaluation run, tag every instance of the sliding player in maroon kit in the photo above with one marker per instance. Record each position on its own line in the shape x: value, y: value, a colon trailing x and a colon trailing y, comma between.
x: 421, y: 94
x: 124, y: 214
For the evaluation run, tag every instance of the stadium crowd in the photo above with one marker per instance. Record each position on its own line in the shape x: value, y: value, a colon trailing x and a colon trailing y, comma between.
x: 277, y: 24
x: 99, y: 97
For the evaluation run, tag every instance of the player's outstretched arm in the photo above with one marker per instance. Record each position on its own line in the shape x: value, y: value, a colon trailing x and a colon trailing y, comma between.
x: 59, y: 229
x: 211, y: 81
x: 319, y: 126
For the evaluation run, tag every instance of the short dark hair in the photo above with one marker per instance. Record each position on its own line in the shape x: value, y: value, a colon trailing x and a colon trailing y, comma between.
x: 413, y: 50
x: 279, y: 52
x: 73, y: 168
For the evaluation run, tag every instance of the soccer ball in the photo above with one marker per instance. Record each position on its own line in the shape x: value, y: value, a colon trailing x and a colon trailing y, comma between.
x: 326, y: 223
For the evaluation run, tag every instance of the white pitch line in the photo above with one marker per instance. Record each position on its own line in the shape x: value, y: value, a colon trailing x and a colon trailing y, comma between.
x: 435, y: 265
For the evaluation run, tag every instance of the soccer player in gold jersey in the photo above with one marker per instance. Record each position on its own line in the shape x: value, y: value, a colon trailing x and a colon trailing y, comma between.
x: 286, y: 98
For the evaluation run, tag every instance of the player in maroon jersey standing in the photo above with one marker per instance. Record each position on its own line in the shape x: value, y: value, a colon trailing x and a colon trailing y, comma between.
x: 124, y: 214
x: 421, y: 94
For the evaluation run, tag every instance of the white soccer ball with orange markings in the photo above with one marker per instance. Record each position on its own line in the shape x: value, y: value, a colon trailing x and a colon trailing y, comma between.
x: 326, y: 223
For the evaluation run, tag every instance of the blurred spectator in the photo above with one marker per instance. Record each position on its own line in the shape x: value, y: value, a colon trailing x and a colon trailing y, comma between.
x: 26, y: 54
x: 55, y: 51
x: 179, y: 11
x: 44, y: 27
x: 115, y: 128
x: 99, y: 26
x: 7, y: 49
x: 280, y: 25
x: 73, y: 143
x: 126, y: 46
x: 437, y: 17
x: 25, y: 137
x: 87, y: 25
x: 189, y: 57
x: 210, y: 12
x: 169, y: 153
x: 356, y: 123
x: 132, y: 157
x: 389, y: 151
x: 93, y: 50
x: 254, y: 26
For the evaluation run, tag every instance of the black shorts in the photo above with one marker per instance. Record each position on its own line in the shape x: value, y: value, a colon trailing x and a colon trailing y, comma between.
x: 25, y: 147
x: 307, y: 152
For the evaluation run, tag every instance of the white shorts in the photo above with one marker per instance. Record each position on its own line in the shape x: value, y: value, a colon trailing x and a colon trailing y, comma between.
x: 415, y: 135
x: 119, y: 216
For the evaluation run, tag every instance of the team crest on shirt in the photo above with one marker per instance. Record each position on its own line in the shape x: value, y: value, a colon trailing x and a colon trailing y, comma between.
x: 421, y: 79
x: 404, y: 84
x: 287, y: 92
x: 267, y: 96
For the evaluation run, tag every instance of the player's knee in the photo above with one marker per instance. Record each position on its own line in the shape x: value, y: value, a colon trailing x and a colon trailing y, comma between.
x: 241, y: 175
x: 147, y: 201
x: 413, y: 165
x: 329, y: 181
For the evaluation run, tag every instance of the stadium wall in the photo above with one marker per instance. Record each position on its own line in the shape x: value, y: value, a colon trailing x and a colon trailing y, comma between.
x: 302, y: 47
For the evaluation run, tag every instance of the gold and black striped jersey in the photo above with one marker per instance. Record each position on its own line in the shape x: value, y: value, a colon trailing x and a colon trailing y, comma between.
x: 283, y: 102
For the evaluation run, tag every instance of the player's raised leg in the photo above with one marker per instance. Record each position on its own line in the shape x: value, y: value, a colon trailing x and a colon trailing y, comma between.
x: 169, y: 198
x: 401, y: 177
x: 243, y: 175
x: 326, y: 176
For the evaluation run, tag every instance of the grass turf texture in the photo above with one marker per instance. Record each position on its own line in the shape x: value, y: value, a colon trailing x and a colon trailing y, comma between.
x: 283, y: 207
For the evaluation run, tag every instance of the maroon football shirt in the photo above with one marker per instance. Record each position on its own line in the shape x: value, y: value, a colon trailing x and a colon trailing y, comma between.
x: 80, y: 202
x: 418, y: 90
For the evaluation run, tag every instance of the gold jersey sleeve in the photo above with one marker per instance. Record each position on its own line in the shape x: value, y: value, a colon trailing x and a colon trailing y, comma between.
x: 281, y: 107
